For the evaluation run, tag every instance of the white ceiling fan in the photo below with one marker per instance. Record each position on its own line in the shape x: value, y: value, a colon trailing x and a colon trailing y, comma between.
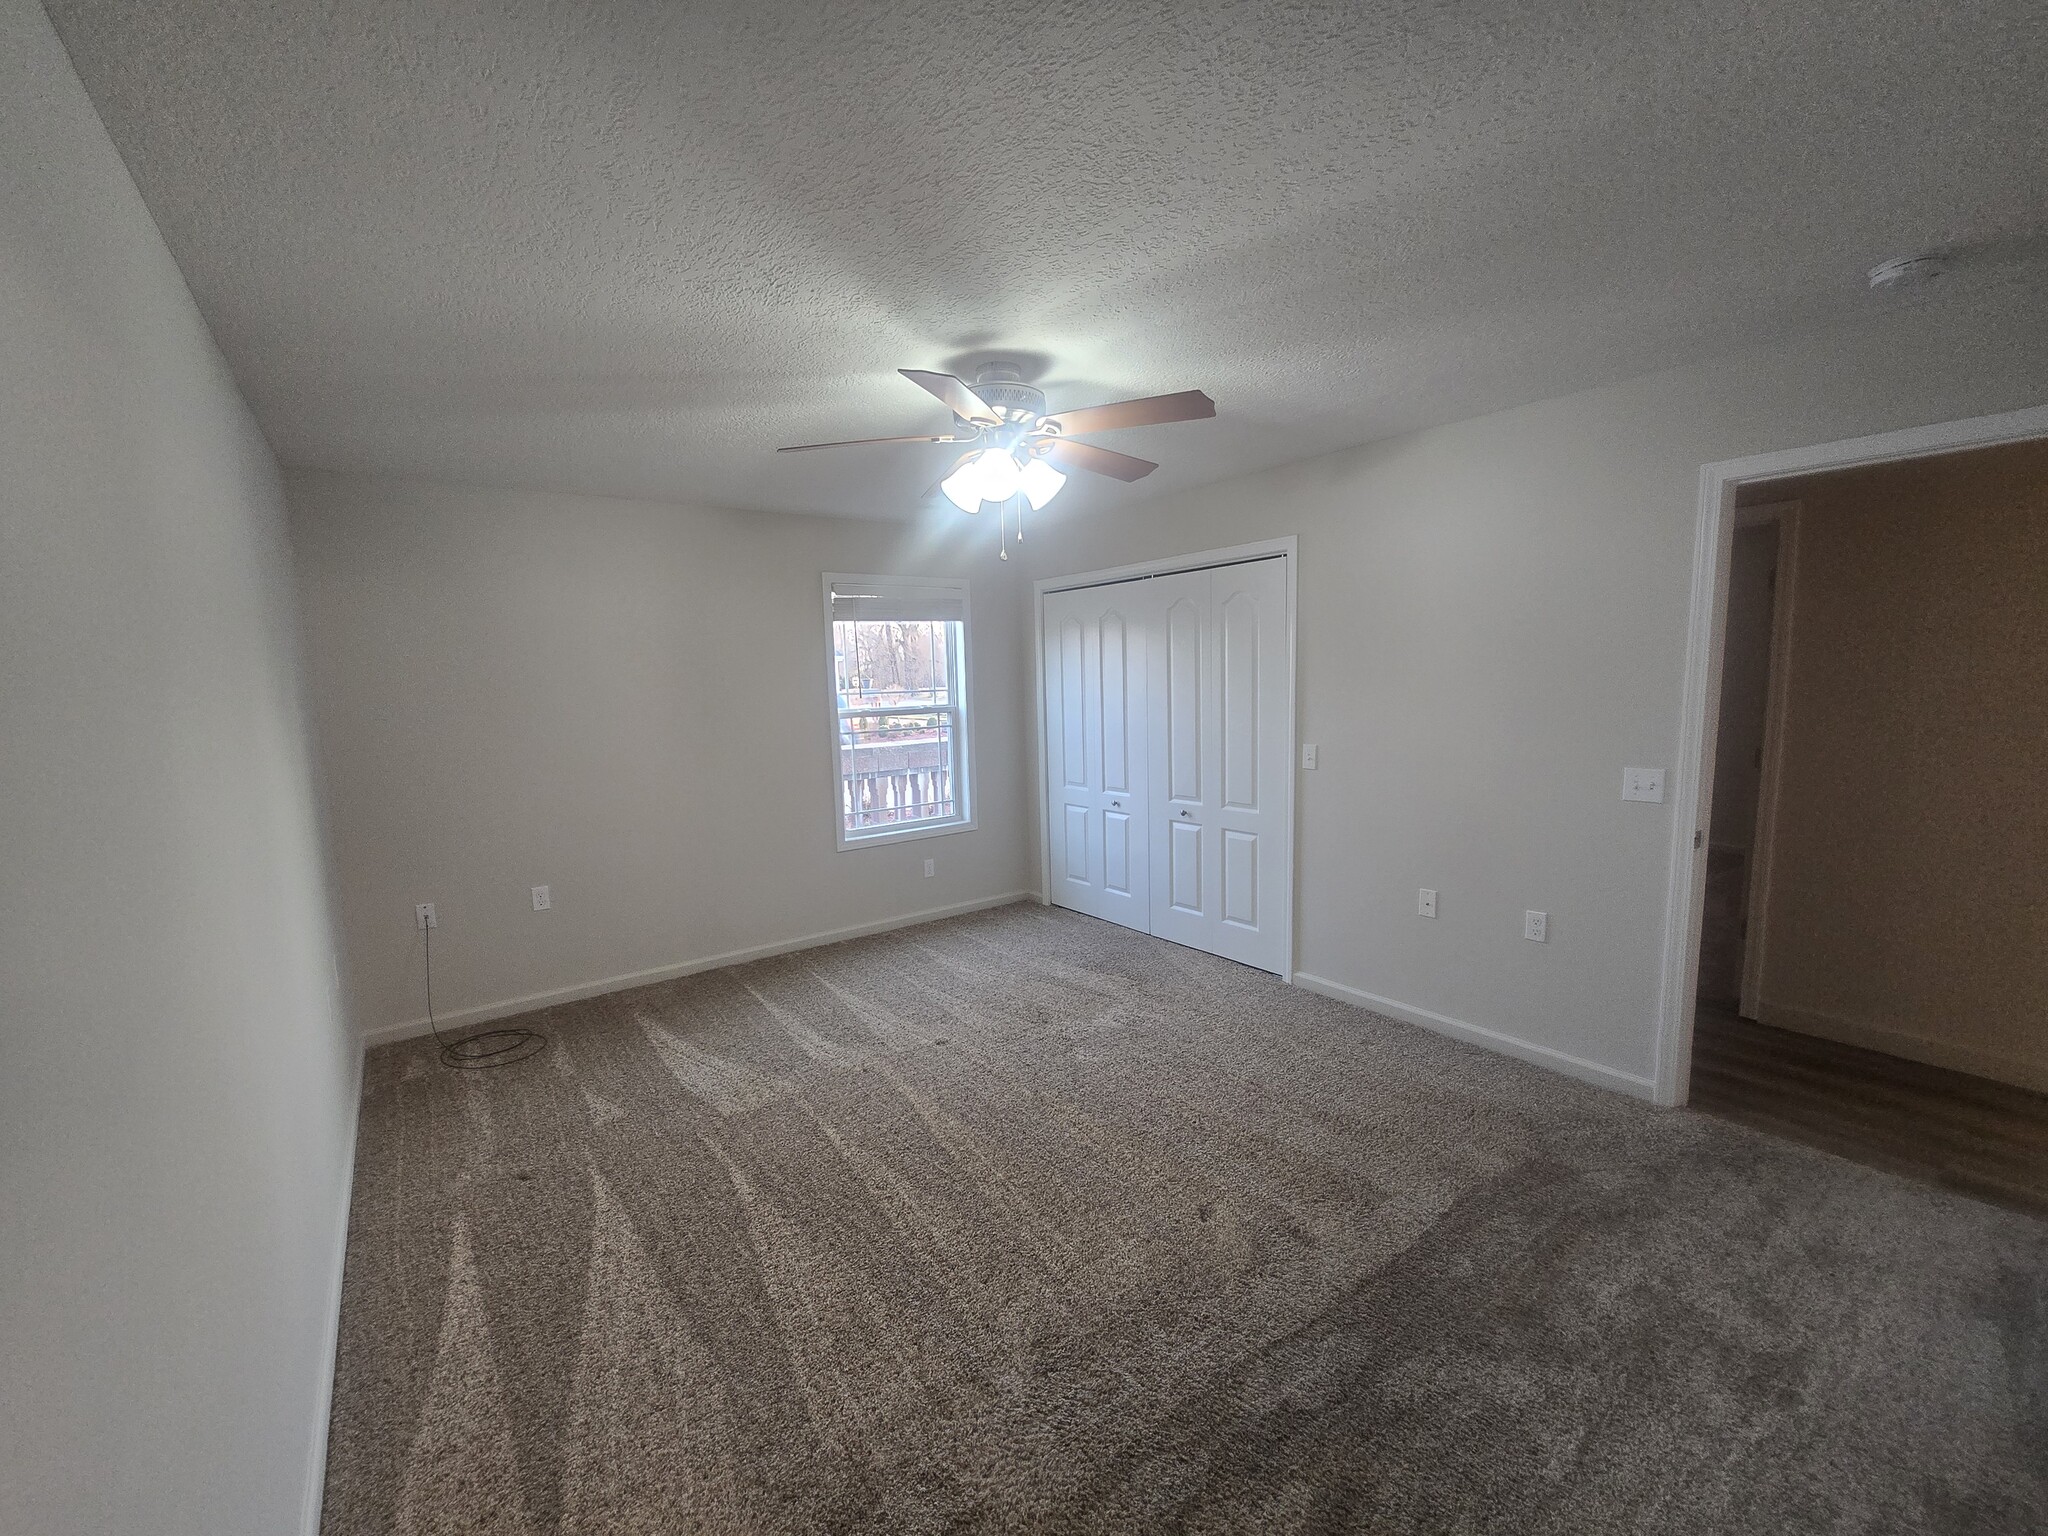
x: 1020, y: 450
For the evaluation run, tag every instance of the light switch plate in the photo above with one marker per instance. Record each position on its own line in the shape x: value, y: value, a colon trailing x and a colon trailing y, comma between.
x: 1643, y: 784
x: 931, y: 867
x: 1425, y: 902
x: 1308, y: 754
x: 1536, y: 927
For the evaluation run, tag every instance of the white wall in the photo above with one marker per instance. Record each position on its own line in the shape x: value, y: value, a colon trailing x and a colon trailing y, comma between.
x: 1493, y: 624
x: 624, y: 701
x: 177, y: 1084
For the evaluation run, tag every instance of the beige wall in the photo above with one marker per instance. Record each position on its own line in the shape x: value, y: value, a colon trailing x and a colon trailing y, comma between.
x: 1909, y: 885
x: 625, y: 701
x: 1493, y: 625
x: 177, y: 1083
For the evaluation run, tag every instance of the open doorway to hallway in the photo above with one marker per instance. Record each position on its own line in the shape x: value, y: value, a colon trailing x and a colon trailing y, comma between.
x: 1873, y: 953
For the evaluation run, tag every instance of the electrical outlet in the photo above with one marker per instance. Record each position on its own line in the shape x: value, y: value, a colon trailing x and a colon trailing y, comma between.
x: 541, y: 899
x: 931, y: 867
x: 423, y: 915
x: 1536, y: 927
x: 1643, y: 784
x: 1308, y: 754
x: 1425, y: 902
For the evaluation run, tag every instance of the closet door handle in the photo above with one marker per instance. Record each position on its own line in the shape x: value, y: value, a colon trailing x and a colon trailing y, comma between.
x: 1184, y: 813
x: 1116, y: 805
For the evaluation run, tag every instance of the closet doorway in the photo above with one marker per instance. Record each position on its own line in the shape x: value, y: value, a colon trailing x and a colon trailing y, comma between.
x: 1166, y: 709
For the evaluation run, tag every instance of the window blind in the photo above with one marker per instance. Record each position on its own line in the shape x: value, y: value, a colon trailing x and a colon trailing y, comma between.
x: 898, y: 600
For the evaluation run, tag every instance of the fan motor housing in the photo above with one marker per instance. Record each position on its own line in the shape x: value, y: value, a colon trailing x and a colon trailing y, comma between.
x: 1006, y: 392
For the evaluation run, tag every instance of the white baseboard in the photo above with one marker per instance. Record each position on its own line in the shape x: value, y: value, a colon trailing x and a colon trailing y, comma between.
x: 1476, y: 1034
x: 316, y: 1471
x: 2018, y: 1070
x: 507, y: 1007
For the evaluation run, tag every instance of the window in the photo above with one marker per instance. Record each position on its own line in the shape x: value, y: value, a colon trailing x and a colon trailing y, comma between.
x: 898, y: 655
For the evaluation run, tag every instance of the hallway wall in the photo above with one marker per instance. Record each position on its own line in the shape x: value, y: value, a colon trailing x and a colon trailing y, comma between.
x: 1909, y: 888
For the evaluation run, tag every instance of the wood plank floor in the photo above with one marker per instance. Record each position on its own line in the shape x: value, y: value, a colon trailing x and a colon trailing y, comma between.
x: 1966, y: 1133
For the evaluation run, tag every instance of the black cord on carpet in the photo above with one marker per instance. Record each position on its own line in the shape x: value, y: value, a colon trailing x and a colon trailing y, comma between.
x: 485, y: 1048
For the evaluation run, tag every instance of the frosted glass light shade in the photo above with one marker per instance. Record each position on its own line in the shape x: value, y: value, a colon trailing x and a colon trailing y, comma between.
x: 998, y: 475
x: 963, y: 486
x: 1039, y: 482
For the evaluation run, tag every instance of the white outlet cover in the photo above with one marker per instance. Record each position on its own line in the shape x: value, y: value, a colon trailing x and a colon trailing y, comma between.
x: 931, y: 867
x: 1645, y: 784
x: 541, y: 899
x: 1425, y: 902
x: 1308, y: 754
x: 1536, y: 926
x: 423, y: 915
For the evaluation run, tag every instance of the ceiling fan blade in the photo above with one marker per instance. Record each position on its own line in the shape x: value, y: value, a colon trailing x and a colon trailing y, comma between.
x: 860, y: 442
x: 1152, y: 411
x: 1100, y: 461
x: 959, y: 399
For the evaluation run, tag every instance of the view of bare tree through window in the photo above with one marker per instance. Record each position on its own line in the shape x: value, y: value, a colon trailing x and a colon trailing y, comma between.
x: 899, y: 720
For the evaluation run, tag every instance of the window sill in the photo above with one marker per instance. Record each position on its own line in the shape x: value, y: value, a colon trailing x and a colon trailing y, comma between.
x: 847, y: 843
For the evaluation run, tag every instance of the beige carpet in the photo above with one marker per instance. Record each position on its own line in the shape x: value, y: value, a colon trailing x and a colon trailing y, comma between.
x: 1024, y: 1222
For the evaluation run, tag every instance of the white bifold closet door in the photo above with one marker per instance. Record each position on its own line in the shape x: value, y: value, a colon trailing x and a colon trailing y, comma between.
x: 1168, y: 754
x: 1095, y: 654
x: 1220, y: 760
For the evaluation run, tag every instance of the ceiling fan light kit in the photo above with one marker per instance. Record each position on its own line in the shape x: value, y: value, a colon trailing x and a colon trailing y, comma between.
x: 1023, y: 452
x: 995, y: 475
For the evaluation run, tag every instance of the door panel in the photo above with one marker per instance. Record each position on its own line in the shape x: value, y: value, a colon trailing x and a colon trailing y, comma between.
x: 1116, y: 852
x: 1095, y: 749
x: 1185, y: 622
x: 1240, y: 707
x: 1257, y: 760
x: 1240, y: 878
x: 1080, y: 868
x: 1218, y: 809
x: 1185, y: 860
x: 1183, y: 722
x: 1116, y: 704
x: 1072, y: 702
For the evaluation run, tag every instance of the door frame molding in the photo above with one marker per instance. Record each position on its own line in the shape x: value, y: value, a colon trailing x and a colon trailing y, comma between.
x: 1756, y: 895
x: 1286, y: 547
x: 1699, y: 712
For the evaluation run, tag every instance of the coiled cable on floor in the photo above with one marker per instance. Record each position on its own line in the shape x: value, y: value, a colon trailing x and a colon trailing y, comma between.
x: 485, y: 1048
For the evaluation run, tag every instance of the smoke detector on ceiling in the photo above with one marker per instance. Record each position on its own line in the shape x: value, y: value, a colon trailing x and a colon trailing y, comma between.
x: 1903, y: 272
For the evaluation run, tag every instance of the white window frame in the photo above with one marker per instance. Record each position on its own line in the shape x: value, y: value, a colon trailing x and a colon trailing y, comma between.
x: 961, y: 710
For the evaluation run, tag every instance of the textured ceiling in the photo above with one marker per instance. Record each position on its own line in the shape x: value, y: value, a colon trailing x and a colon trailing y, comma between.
x: 632, y: 247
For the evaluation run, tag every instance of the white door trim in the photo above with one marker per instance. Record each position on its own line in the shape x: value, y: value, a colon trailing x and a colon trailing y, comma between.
x: 1713, y: 542
x: 1287, y: 547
